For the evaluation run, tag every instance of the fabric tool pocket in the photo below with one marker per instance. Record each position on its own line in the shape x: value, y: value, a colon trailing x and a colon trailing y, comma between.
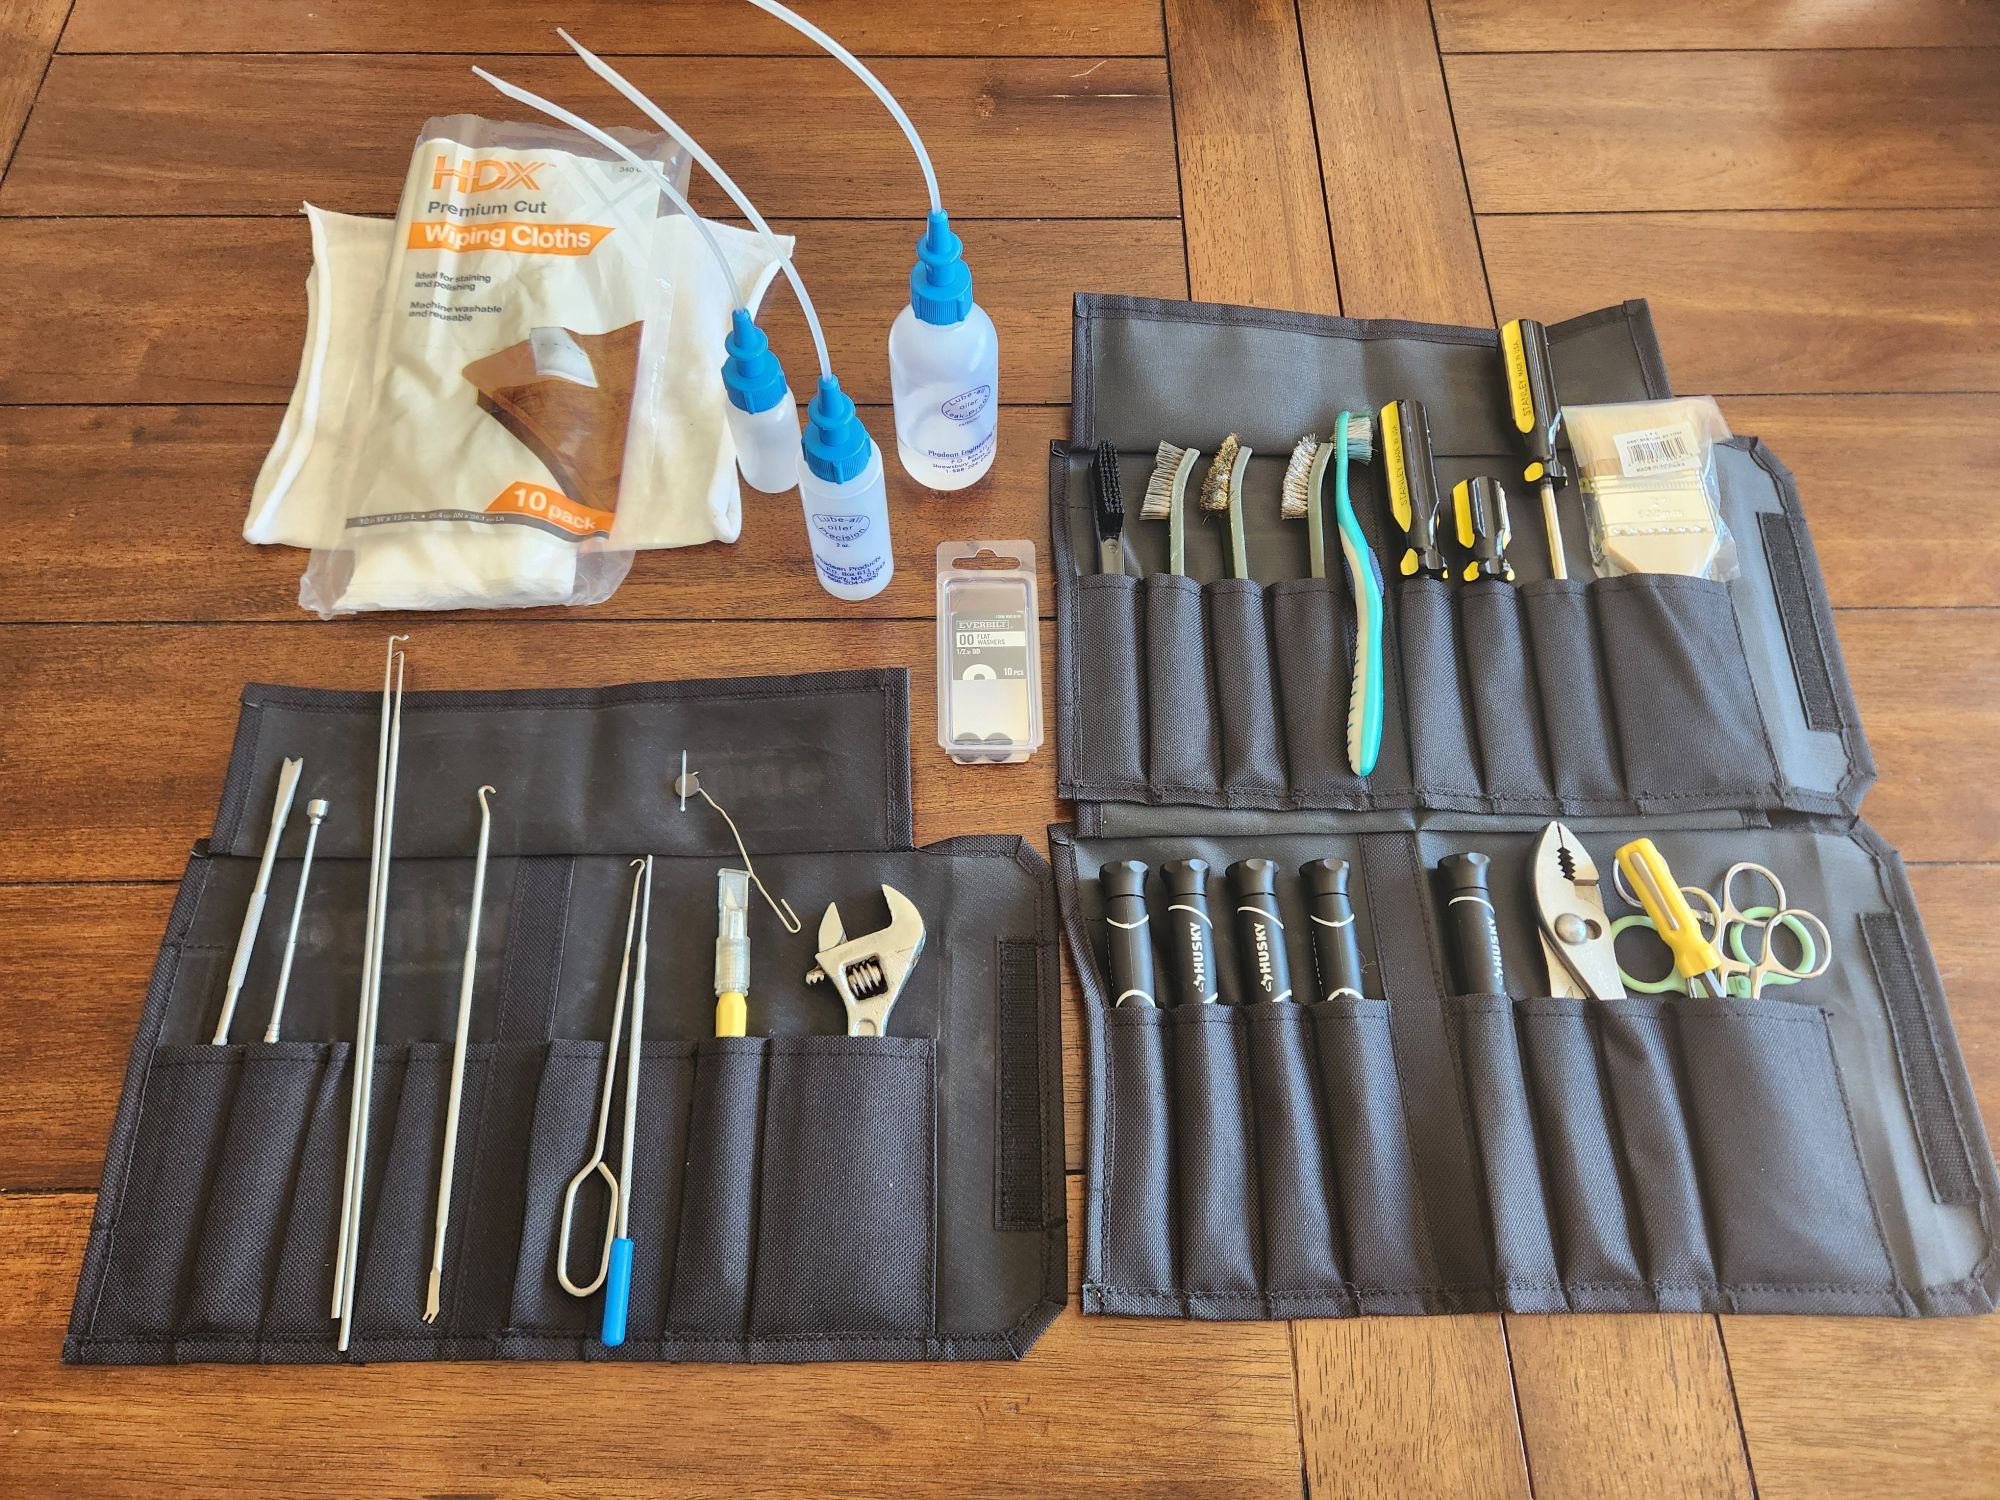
x: 1689, y: 729
x: 845, y: 1226
x: 184, y: 1117
x: 1107, y: 664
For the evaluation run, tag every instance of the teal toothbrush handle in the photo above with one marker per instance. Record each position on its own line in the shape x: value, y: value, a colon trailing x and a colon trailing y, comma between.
x: 1364, y: 581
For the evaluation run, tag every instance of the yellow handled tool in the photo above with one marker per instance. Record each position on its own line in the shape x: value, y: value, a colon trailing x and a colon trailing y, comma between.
x: 1650, y: 879
x: 1531, y: 401
x: 732, y: 952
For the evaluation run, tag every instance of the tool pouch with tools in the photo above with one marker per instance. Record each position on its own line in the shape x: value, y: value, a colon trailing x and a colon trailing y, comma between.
x: 797, y: 1194
x: 1413, y: 1149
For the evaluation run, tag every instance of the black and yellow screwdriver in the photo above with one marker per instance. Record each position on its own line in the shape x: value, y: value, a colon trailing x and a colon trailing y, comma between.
x: 1531, y: 396
x: 1413, y: 486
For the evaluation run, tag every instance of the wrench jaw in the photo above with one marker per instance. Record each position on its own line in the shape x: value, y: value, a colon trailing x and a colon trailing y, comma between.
x: 868, y: 972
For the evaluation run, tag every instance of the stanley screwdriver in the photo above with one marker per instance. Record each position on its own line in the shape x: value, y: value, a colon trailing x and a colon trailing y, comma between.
x: 1413, y: 486
x: 1531, y: 396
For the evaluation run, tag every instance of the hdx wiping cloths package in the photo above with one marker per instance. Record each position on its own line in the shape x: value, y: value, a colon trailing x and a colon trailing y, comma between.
x: 509, y: 388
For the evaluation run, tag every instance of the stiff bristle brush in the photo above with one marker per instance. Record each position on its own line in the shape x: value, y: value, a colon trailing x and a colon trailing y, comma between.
x: 1222, y: 495
x: 1166, y: 493
x: 1353, y: 441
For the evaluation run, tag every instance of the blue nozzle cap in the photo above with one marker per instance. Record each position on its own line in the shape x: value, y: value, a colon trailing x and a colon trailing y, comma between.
x: 940, y: 281
x: 837, y: 446
x: 750, y: 373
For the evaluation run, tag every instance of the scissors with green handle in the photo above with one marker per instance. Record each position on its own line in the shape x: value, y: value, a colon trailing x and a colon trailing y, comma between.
x: 1710, y: 954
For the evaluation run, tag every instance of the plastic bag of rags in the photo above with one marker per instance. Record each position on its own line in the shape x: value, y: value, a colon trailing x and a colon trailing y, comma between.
x: 511, y: 388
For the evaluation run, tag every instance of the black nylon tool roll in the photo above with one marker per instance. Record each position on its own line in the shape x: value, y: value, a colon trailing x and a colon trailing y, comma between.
x: 796, y: 1194
x: 1445, y: 1144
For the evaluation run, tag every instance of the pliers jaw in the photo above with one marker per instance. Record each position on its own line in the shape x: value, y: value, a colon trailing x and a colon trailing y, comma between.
x: 1569, y: 910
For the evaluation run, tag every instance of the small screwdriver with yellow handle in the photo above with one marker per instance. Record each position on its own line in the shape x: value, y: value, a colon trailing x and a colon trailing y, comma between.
x: 1413, y: 486
x: 1531, y: 399
x: 1647, y: 874
x: 732, y: 952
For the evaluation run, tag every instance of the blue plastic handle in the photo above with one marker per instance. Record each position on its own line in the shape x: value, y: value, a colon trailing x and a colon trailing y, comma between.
x: 617, y: 1293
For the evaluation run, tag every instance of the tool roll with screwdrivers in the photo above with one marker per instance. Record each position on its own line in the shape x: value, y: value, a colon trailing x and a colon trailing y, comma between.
x: 1455, y: 934
x: 869, y: 1168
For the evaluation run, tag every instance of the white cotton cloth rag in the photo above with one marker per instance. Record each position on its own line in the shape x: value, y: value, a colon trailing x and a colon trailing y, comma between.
x: 690, y: 494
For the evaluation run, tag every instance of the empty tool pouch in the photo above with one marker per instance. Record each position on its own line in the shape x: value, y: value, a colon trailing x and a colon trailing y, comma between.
x: 794, y: 1194
x: 1400, y: 1145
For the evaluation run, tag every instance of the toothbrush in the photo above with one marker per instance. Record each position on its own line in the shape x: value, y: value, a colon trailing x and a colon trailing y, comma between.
x: 1305, y: 478
x: 1222, y: 495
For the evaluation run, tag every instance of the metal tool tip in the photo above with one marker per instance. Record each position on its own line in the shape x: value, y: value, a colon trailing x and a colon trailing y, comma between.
x: 316, y: 809
x: 434, y: 1297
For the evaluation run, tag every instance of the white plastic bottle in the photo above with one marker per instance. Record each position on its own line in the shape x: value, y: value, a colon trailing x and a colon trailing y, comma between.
x: 763, y: 417
x: 846, y: 504
x: 944, y: 369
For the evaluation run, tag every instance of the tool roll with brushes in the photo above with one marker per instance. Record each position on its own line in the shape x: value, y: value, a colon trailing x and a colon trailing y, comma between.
x: 864, y: 1165
x: 1516, y: 941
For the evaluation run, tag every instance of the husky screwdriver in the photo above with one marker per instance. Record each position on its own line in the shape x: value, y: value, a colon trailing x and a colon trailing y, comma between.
x: 1190, y: 935
x: 1130, y: 935
x: 1531, y: 397
x: 1336, y: 949
x: 1266, y: 970
x: 1475, y: 936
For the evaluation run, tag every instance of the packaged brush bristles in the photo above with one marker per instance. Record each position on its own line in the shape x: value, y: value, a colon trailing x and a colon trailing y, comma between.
x: 513, y: 386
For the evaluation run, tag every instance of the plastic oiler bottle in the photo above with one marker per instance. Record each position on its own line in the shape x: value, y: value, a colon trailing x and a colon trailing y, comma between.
x: 763, y: 415
x: 847, y: 505
x: 944, y: 356
x: 944, y: 368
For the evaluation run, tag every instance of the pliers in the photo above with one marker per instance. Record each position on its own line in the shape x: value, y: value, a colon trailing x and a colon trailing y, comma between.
x: 1569, y: 909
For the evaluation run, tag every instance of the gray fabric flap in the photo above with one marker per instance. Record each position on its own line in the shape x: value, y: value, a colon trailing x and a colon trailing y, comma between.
x: 817, y: 761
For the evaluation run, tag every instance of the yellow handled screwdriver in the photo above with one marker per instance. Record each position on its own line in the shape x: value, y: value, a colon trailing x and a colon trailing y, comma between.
x: 732, y: 952
x: 1647, y: 873
x: 1531, y: 397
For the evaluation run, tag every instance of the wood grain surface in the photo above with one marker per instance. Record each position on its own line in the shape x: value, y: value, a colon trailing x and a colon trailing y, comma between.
x: 1804, y: 189
x: 1914, y: 128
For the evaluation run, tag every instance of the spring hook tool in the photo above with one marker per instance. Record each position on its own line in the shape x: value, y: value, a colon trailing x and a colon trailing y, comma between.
x: 288, y: 784
x: 688, y: 784
x: 315, y: 815
x: 597, y: 1166
x: 388, y: 756
x: 618, y: 1287
x: 432, y: 1295
x: 868, y: 972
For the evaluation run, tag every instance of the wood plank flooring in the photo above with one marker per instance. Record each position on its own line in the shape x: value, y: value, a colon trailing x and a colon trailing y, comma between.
x: 1807, y: 190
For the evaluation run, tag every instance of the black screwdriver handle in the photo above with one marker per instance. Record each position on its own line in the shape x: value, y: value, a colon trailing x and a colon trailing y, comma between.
x: 1475, y: 935
x: 1130, y: 935
x: 1190, y: 934
x: 1336, y: 946
x: 1260, y: 931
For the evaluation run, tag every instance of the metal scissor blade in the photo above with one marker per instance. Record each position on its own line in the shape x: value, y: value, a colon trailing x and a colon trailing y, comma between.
x: 1569, y: 907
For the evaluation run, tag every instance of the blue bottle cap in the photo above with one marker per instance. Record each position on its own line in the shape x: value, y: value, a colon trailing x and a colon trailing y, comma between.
x: 750, y: 371
x: 837, y: 446
x: 940, y: 281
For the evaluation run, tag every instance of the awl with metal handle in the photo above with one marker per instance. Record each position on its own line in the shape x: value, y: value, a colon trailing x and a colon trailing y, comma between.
x: 1531, y: 400
x: 1413, y: 486
x: 1128, y: 932
x: 246, y: 940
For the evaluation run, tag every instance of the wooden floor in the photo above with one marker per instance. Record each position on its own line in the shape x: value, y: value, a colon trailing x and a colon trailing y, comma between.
x: 1808, y: 191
